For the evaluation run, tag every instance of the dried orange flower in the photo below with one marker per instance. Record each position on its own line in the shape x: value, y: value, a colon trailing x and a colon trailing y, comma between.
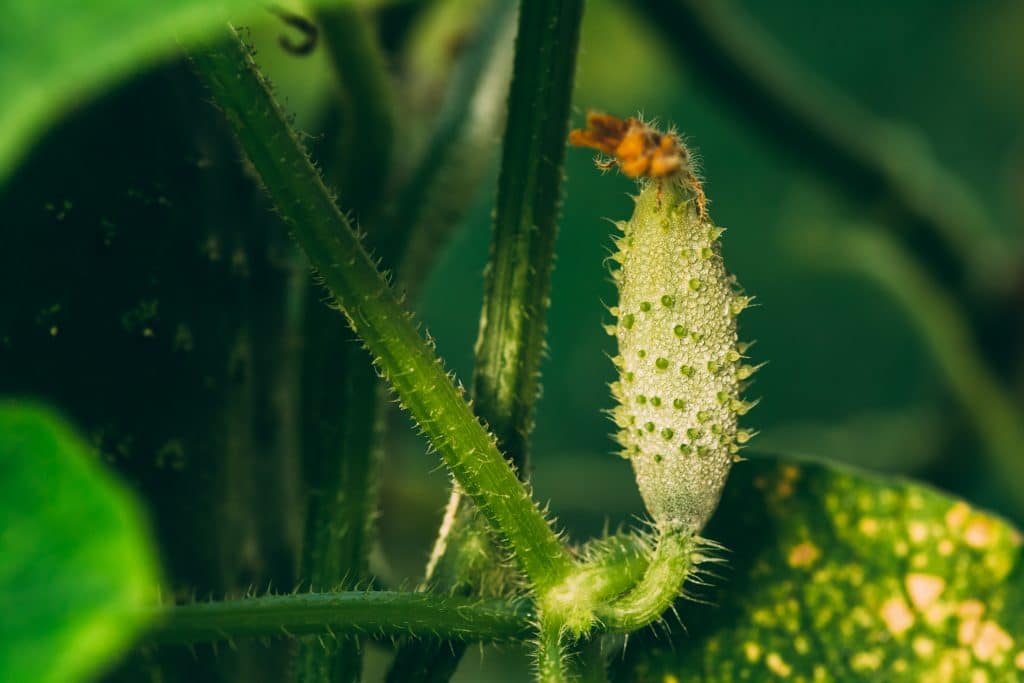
x: 638, y: 150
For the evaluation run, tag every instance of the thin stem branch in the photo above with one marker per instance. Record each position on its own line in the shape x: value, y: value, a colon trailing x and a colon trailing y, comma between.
x: 661, y: 585
x: 340, y: 407
x: 375, y: 313
x: 374, y: 613
x: 554, y: 663
x: 362, y: 141
x: 935, y: 213
x: 616, y: 565
x: 510, y: 345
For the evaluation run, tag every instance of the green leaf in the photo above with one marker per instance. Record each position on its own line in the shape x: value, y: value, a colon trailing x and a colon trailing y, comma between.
x: 55, y: 52
x: 837, y: 575
x: 77, y: 574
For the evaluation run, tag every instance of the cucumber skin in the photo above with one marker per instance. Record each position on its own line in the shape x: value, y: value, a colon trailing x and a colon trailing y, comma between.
x: 680, y: 365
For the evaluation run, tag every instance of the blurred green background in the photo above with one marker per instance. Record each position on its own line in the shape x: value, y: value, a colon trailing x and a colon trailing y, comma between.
x: 126, y: 327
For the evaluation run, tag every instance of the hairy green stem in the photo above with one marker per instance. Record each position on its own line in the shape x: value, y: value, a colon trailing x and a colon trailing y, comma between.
x: 512, y: 323
x: 615, y: 566
x: 339, y: 384
x: 554, y: 663
x: 935, y: 212
x: 510, y: 345
x: 374, y: 613
x: 661, y: 585
x: 340, y: 430
x: 374, y: 312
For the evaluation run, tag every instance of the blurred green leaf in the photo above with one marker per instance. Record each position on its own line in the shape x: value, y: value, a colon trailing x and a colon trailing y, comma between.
x: 460, y: 149
x: 76, y: 569
x: 895, y: 441
x: 836, y: 575
x: 55, y: 52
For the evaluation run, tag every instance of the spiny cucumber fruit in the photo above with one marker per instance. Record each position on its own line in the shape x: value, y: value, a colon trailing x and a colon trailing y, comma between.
x: 681, y: 367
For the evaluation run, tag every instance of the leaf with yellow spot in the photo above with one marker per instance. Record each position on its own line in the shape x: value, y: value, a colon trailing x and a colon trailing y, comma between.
x: 837, y: 575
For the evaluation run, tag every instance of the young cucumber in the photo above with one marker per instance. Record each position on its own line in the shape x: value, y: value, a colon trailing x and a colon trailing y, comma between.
x: 680, y: 365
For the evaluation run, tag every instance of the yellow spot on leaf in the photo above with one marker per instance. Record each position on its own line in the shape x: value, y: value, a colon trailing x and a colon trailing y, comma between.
x: 868, y: 526
x: 866, y: 661
x: 1018, y: 661
x: 957, y: 515
x: 897, y: 616
x: 992, y: 642
x: 970, y: 608
x: 778, y: 665
x: 923, y: 647
x: 918, y: 532
x: 752, y: 651
x: 803, y: 555
x: 784, y: 489
x: 937, y: 614
x: 923, y: 589
x: 980, y: 533
x: 951, y: 661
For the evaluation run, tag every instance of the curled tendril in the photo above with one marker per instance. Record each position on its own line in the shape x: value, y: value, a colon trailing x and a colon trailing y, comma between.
x: 309, y: 31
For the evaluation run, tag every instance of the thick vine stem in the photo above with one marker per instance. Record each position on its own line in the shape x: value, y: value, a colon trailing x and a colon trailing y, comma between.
x: 518, y: 279
x: 553, y: 656
x: 510, y: 345
x: 612, y: 566
x: 375, y: 613
x: 374, y: 312
x: 569, y: 611
x: 662, y: 583
x: 512, y: 323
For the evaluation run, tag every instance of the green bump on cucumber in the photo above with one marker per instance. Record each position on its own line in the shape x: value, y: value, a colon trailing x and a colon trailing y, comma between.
x: 681, y: 457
